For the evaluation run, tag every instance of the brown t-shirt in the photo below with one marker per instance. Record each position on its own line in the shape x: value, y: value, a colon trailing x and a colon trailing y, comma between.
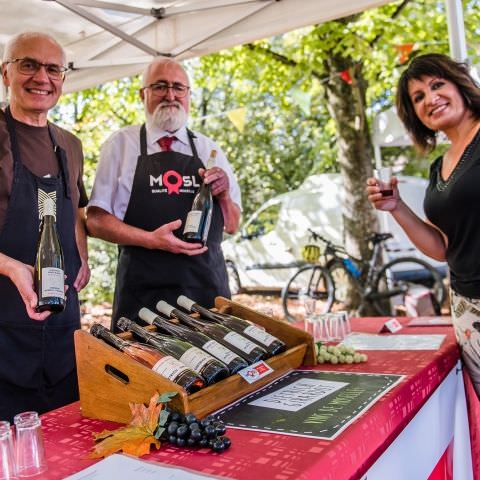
x: 36, y: 152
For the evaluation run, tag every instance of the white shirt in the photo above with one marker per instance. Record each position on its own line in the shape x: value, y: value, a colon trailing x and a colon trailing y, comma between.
x: 118, y: 161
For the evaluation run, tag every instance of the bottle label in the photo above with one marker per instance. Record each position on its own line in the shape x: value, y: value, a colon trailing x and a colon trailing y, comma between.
x: 207, y: 226
x: 192, y: 223
x: 195, y: 358
x: 169, y: 367
x: 258, y: 334
x: 240, y: 342
x: 219, y: 351
x: 53, y: 282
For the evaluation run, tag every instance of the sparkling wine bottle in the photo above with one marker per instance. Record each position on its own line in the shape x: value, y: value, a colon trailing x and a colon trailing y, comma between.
x: 198, y: 219
x: 230, y: 359
x: 271, y: 344
x: 210, y: 369
x: 233, y: 340
x: 164, y: 365
x: 49, y: 274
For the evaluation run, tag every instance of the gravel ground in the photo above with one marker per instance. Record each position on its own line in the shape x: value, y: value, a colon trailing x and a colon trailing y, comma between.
x: 270, y: 305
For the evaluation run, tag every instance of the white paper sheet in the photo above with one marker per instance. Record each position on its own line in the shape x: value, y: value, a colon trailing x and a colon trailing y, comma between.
x: 366, y: 341
x: 123, y: 467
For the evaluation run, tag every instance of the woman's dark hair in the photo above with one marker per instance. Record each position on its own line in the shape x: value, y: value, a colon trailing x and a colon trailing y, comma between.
x: 441, y: 66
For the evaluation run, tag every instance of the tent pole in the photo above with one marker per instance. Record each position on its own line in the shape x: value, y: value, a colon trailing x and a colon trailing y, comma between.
x: 378, y: 155
x: 456, y: 30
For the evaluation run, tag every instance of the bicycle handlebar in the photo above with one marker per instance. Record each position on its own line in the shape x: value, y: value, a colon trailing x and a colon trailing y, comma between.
x: 316, y: 236
x: 376, y: 238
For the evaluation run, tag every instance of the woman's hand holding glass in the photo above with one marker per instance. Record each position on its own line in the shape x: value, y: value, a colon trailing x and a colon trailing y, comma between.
x: 379, y: 200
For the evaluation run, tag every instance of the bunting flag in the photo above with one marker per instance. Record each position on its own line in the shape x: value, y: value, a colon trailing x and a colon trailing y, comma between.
x: 404, y: 52
x: 302, y: 99
x: 237, y: 117
x: 346, y: 77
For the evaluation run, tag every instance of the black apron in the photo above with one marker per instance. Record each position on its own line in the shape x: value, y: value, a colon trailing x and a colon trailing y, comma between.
x: 163, y: 188
x: 37, y: 358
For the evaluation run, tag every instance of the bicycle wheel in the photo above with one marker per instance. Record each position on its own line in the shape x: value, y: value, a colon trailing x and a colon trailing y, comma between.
x: 312, y: 280
x: 398, y: 278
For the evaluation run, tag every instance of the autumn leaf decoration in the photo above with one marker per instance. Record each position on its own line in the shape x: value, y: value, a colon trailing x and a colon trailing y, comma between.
x: 145, y: 429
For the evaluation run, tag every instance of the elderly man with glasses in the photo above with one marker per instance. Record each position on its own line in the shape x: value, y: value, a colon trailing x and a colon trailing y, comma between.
x: 143, y: 191
x: 37, y: 159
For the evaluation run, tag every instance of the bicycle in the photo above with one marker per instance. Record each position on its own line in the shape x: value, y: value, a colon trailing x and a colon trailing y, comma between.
x: 383, y: 287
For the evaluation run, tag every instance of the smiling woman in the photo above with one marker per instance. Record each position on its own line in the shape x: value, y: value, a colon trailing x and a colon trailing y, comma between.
x: 436, y: 94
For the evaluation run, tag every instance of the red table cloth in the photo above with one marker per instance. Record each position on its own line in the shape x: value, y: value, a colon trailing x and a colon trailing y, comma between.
x: 271, y: 456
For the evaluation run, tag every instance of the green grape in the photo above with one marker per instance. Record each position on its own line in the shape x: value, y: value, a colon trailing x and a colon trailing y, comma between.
x: 338, y: 354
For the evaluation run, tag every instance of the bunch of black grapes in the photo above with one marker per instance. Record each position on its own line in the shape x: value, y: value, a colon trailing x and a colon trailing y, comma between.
x: 188, y: 431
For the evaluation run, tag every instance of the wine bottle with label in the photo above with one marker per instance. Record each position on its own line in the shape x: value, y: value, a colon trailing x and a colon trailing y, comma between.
x: 242, y: 346
x: 271, y: 344
x: 210, y: 369
x: 164, y: 365
x: 233, y: 362
x: 199, y: 218
x: 49, y: 274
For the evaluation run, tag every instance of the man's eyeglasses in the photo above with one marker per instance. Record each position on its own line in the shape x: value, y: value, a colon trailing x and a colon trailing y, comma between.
x: 29, y: 66
x: 160, y: 89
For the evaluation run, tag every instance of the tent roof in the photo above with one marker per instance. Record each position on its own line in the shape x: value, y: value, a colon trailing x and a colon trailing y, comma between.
x: 105, y: 40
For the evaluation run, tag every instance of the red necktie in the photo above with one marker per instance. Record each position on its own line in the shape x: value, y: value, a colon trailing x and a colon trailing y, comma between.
x: 166, y: 143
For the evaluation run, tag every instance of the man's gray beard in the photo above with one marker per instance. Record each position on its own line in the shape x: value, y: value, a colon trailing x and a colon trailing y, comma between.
x: 168, y: 119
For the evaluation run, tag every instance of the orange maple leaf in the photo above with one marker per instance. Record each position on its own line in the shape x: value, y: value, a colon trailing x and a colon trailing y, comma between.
x: 137, y: 437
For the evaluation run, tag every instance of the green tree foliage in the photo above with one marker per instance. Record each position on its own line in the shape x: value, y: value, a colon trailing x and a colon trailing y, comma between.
x: 93, y: 115
x: 302, y: 116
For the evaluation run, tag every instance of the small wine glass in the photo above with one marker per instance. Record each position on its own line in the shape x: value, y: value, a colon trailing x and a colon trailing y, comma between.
x: 308, y: 302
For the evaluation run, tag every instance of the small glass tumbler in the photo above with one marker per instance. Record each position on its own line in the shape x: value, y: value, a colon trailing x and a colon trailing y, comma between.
x: 30, y: 451
x: 338, y: 326
x: 384, y: 179
x: 309, y: 305
x: 347, y: 327
x: 320, y: 328
x: 7, y: 453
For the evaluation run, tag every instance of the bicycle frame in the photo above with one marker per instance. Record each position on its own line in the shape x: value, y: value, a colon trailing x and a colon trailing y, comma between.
x: 369, y: 269
x: 375, y: 282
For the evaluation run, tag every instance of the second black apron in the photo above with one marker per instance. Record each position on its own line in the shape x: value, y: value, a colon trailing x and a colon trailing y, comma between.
x: 163, y: 188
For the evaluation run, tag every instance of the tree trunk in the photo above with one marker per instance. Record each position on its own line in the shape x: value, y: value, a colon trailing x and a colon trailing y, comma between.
x: 345, y: 94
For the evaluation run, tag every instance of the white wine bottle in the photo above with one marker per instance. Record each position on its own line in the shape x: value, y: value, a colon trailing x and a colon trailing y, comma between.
x: 271, y: 344
x: 200, y: 340
x: 164, y: 365
x: 208, y: 367
x: 199, y: 218
x: 242, y: 346
x: 49, y: 275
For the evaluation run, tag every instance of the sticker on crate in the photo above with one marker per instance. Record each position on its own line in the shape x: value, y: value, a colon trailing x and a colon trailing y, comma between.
x: 255, y: 372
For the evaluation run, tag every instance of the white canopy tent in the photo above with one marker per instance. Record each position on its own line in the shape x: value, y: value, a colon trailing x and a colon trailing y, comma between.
x: 105, y: 40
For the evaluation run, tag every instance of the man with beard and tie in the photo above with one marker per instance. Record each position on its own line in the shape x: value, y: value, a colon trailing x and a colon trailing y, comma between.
x: 144, y: 188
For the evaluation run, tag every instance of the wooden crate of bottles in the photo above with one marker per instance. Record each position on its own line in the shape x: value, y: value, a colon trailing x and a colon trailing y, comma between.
x: 109, y: 380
